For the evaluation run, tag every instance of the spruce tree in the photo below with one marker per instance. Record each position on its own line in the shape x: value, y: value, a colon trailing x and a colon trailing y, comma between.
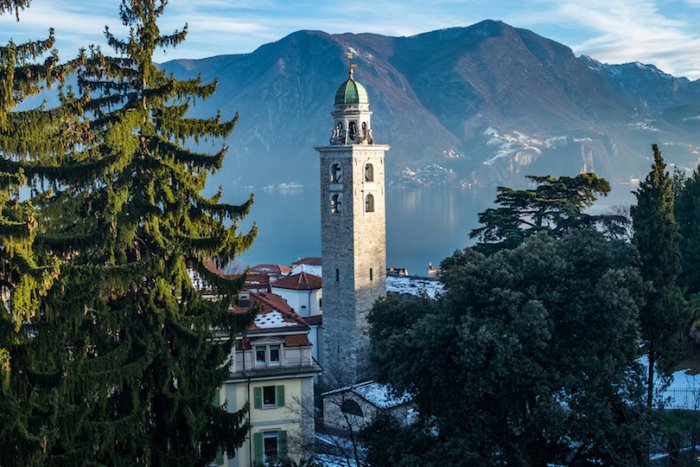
x: 31, y: 142
x: 687, y: 212
x: 657, y: 239
x: 141, y: 353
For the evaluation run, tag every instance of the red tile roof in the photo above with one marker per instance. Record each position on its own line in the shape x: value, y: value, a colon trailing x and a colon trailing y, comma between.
x: 271, y: 269
x: 296, y: 340
x: 256, y: 281
x: 310, y: 260
x: 213, y: 268
x: 315, y: 320
x: 274, y: 313
x: 301, y: 281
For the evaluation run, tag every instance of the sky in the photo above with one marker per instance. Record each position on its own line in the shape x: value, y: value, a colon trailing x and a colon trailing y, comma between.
x: 663, y: 33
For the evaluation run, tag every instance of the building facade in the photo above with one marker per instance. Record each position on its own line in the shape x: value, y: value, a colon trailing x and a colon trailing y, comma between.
x: 272, y: 371
x: 353, y: 234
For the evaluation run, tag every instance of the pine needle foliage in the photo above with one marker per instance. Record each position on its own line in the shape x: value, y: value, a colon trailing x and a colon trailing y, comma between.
x: 687, y: 212
x: 138, y: 351
x: 656, y: 236
x: 29, y: 140
x: 8, y: 6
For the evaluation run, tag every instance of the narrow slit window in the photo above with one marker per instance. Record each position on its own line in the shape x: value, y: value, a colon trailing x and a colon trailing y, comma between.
x: 337, y: 275
x: 370, y: 274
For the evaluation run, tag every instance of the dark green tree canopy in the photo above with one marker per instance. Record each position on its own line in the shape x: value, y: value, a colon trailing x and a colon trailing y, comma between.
x: 555, y: 205
x: 687, y: 214
x: 528, y: 358
x: 665, y: 316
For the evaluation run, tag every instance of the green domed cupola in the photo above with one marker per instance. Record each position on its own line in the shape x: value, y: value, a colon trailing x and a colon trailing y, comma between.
x: 351, y: 117
x: 351, y: 92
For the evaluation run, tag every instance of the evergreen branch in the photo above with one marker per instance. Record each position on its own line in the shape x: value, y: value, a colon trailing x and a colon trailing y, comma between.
x: 231, y: 211
x: 192, y: 159
x: 194, y: 128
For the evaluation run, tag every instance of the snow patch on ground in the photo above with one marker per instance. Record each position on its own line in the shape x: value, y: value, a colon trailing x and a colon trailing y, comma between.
x: 644, y: 125
x: 452, y: 154
x: 518, y: 146
x: 329, y: 460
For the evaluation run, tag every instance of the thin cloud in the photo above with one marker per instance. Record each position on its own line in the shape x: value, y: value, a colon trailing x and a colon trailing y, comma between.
x: 611, y: 31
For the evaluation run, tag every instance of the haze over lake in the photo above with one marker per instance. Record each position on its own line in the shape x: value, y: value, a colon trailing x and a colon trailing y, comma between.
x: 423, y: 224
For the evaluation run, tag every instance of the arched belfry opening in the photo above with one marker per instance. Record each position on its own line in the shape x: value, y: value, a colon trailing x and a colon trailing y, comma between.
x: 336, y: 172
x: 369, y: 172
x: 369, y: 203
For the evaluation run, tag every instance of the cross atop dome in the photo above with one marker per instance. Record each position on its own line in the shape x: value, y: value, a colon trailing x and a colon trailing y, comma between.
x: 351, y: 66
x: 351, y: 117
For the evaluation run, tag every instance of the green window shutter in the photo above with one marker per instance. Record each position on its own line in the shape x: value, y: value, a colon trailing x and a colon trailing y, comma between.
x: 280, y: 396
x: 283, y: 444
x: 219, y: 457
x: 258, y: 448
x: 257, y: 398
x: 217, y: 398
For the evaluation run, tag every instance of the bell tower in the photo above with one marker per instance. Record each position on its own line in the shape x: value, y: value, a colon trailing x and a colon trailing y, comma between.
x: 353, y: 234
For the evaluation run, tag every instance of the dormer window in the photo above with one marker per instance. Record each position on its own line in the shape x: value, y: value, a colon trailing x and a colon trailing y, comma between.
x: 369, y: 173
x: 369, y: 203
x: 336, y: 172
x: 267, y: 355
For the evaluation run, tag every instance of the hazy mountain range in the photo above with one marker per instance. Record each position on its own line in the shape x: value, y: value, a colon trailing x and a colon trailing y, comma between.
x: 477, y: 105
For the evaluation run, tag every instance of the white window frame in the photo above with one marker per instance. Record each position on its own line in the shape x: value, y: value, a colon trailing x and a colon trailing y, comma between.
x: 268, y: 352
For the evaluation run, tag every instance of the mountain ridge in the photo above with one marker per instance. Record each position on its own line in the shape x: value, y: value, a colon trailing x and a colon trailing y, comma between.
x: 477, y: 105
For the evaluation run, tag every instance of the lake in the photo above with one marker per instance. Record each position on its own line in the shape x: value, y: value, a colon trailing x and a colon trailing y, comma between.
x: 423, y: 225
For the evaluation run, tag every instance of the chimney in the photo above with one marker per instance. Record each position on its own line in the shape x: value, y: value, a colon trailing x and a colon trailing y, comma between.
x: 243, y: 298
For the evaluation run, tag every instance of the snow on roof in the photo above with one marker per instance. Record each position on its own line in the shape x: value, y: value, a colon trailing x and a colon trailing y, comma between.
x: 316, y: 270
x: 376, y: 394
x: 414, y: 285
x: 268, y: 268
x: 272, y: 319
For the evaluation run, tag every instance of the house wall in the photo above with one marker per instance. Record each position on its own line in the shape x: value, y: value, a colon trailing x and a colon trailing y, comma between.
x: 333, y: 417
x: 315, y: 339
x: 295, y: 417
x: 304, y: 302
x: 291, y: 356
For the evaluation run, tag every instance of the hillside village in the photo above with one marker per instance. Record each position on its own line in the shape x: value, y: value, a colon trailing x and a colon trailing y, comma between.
x: 277, y: 364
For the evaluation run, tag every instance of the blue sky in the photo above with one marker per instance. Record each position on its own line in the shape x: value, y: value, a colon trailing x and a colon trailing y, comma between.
x: 664, y: 33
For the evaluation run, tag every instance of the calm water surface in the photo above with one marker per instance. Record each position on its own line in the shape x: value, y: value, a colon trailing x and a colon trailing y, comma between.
x: 423, y: 225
